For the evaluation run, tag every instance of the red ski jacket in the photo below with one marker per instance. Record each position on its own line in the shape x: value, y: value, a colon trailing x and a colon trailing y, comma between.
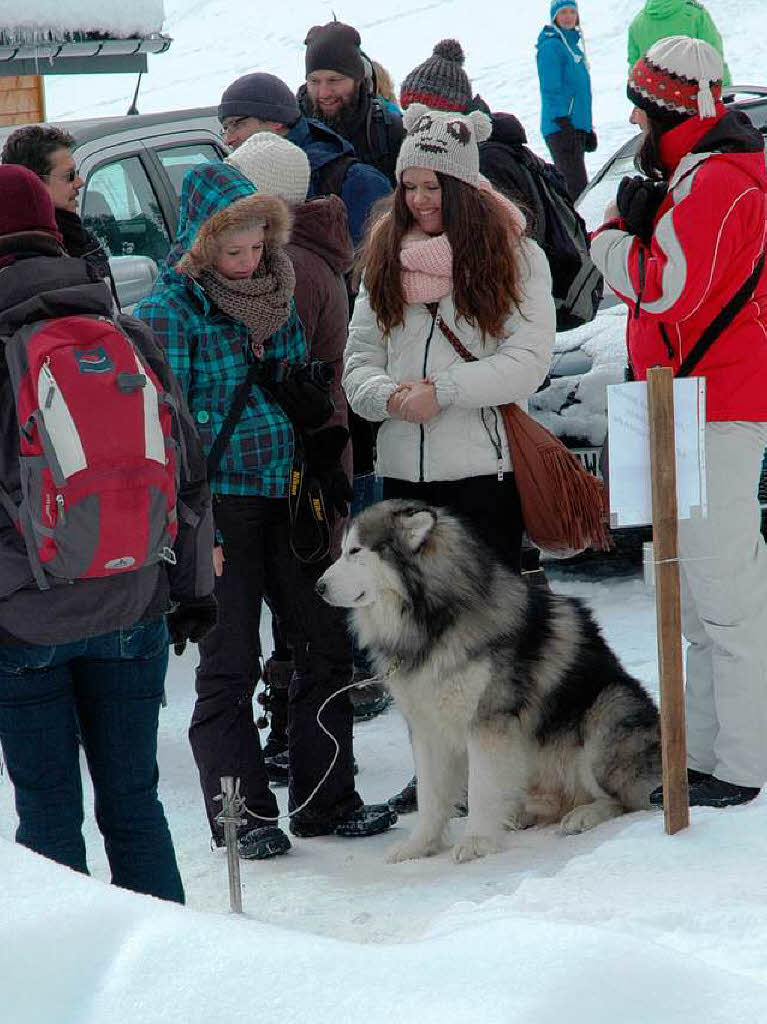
x: 708, y: 235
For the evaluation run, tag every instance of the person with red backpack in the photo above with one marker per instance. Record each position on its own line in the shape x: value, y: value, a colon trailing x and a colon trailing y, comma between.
x: 106, y: 538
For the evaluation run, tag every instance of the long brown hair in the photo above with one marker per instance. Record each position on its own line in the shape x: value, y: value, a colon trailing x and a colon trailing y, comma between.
x: 483, y: 238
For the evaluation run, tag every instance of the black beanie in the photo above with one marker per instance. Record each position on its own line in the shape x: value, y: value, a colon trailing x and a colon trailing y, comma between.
x: 335, y: 47
x: 260, y: 95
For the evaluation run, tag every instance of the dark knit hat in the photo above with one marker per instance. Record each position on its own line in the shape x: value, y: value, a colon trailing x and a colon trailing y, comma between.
x: 677, y: 78
x: 335, y: 47
x: 440, y: 82
x: 260, y: 95
x: 25, y: 203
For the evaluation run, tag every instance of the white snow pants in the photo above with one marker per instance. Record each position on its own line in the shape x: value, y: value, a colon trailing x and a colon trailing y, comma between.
x: 724, y: 612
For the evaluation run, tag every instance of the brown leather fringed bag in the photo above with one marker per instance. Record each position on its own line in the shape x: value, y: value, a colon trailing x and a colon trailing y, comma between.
x: 564, y: 507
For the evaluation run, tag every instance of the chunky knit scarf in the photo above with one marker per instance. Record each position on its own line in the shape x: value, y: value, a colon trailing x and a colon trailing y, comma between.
x: 261, y: 302
x: 427, y: 260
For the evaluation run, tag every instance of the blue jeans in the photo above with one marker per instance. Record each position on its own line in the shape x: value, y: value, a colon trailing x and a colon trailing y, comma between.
x: 104, y: 692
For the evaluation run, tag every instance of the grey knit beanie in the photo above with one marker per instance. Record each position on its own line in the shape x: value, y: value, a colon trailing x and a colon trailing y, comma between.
x: 444, y: 142
x: 275, y: 166
x: 440, y: 82
x: 260, y: 95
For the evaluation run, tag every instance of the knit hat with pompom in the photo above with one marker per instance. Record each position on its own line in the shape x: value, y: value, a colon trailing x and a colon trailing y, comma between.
x: 444, y: 142
x: 677, y: 78
x: 440, y: 82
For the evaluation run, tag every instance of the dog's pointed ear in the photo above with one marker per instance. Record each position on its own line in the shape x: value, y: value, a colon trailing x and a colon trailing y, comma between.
x: 417, y: 526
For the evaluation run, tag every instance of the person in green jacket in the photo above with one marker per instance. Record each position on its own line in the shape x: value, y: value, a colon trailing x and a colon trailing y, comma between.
x: 661, y: 18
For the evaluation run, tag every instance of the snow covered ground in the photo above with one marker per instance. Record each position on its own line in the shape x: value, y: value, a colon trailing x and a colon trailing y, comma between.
x: 622, y: 924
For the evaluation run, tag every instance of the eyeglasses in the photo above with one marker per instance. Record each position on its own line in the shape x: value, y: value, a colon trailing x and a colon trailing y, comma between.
x: 231, y: 125
x: 69, y: 176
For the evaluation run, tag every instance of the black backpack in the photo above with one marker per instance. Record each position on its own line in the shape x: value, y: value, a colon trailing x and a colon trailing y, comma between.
x: 554, y: 223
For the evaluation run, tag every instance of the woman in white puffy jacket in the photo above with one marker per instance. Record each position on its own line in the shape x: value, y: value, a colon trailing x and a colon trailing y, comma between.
x: 449, y: 258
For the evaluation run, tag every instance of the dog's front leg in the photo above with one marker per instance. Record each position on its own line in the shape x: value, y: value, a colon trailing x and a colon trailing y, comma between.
x: 441, y: 772
x: 496, y: 782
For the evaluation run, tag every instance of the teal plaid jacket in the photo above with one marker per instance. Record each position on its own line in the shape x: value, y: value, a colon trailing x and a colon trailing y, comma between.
x: 209, y: 352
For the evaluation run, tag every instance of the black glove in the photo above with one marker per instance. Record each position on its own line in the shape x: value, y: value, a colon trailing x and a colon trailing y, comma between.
x: 638, y: 201
x: 323, y: 458
x: 590, y: 142
x: 191, y: 620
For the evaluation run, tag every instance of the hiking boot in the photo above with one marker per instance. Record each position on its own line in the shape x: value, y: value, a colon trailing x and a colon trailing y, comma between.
x: 708, y: 791
x: 406, y: 801
x: 369, y: 698
x: 277, y: 768
x: 368, y: 820
x: 262, y: 843
x: 274, y: 700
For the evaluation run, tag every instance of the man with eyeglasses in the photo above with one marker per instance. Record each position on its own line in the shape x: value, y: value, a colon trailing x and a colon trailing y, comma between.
x: 47, y: 152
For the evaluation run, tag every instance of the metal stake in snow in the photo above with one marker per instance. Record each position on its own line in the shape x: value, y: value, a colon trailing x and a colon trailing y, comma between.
x: 660, y: 397
x: 230, y: 817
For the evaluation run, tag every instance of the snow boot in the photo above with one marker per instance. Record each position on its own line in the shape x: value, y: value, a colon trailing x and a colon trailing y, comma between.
x: 693, y: 777
x: 277, y: 768
x: 406, y: 801
x: 368, y: 820
x: 262, y: 843
x: 274, y: 700
x: 369, y: 698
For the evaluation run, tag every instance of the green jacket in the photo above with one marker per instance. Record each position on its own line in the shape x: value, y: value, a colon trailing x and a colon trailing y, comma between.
x: 661, y: 18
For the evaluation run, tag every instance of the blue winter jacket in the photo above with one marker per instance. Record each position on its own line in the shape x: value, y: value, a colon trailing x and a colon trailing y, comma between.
x: 564, y: 79
x: 362, y: 185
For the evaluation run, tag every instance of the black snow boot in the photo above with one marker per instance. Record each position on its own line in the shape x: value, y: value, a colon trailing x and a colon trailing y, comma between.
x: 262, y: 843
x: 406, y: 801
x: 277, y: 768
x: 274, y: 699
x: 368, y: 820
x: 369, y: 698
x: 708, y: 791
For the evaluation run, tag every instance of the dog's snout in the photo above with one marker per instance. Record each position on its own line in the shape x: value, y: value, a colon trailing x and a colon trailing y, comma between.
x: 321, y: 587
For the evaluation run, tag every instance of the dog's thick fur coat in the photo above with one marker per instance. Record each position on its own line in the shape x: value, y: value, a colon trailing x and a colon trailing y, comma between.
x: 504, y: 686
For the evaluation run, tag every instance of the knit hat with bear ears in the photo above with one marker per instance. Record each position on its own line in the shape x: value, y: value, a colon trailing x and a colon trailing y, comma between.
x: 677, y: 78
x: 443, y: 142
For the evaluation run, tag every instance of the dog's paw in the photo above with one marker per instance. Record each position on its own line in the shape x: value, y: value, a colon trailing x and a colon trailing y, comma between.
x: 471, y: 847
x: 588, y: 816
x: 412, y: 849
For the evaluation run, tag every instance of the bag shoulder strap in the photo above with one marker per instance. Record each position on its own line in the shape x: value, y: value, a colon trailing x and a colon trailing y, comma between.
x: 455, y: 341
x: 239, y: 401
x: 722, y: 320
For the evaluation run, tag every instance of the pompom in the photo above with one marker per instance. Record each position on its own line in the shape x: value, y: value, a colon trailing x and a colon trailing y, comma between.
x: 450, y: 49
x: 412, y: 115
x: 482, y: 125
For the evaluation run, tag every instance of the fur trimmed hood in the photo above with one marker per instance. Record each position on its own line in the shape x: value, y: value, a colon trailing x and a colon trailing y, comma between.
x: 269, y: 211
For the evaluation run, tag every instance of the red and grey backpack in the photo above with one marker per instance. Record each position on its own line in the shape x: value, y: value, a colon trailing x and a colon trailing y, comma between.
x: 97, y: 457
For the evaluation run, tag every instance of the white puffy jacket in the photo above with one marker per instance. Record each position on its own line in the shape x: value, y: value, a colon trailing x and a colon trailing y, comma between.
x: 467, y: 438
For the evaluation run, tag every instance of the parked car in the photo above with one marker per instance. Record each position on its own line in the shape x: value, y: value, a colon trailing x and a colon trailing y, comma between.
x: 574, y: 403
x: 133, y: 167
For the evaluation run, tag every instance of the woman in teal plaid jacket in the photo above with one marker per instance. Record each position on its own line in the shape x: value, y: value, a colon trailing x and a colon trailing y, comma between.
x: 225, y: 298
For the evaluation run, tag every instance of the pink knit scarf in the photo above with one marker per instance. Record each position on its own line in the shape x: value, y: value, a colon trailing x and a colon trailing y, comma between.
x: 427, y: 260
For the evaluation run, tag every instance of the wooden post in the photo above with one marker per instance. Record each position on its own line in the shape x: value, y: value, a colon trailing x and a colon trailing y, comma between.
x: 660, y: 396
x: 22, y: 99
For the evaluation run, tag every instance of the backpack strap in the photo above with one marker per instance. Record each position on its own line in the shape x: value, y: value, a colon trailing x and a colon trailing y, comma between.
x: 333, y: 174
x: 722, y: 320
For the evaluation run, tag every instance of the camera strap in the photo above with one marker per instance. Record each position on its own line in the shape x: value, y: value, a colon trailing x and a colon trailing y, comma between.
x: 239, y: 401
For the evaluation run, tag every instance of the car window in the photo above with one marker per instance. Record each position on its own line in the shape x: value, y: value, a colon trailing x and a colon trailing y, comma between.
x: 121, y: 209
x: 594, y: 200
x: 180, y: 159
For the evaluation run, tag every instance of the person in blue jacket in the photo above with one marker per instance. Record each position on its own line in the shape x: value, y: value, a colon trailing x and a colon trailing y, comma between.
x: 563, y: 73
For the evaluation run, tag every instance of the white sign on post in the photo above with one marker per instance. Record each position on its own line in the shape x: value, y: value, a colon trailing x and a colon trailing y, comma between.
x: 629, y: 443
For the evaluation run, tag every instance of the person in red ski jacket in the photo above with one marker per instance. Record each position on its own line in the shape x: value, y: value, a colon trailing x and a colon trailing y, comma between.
x: 678, y: 246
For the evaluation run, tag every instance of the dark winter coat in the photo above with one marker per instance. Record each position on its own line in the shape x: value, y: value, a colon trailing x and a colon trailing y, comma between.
x: 506, y: 161
x: 81, y: 243
x: 361, y: 185
x: 37, y: 287
x: 375, y: 132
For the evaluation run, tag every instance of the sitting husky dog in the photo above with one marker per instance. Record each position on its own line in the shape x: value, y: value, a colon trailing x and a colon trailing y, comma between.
x: 508, y: 683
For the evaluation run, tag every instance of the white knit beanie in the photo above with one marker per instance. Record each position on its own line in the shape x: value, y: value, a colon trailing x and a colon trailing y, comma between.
x: 444, y: 142
x: 275, y: 166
